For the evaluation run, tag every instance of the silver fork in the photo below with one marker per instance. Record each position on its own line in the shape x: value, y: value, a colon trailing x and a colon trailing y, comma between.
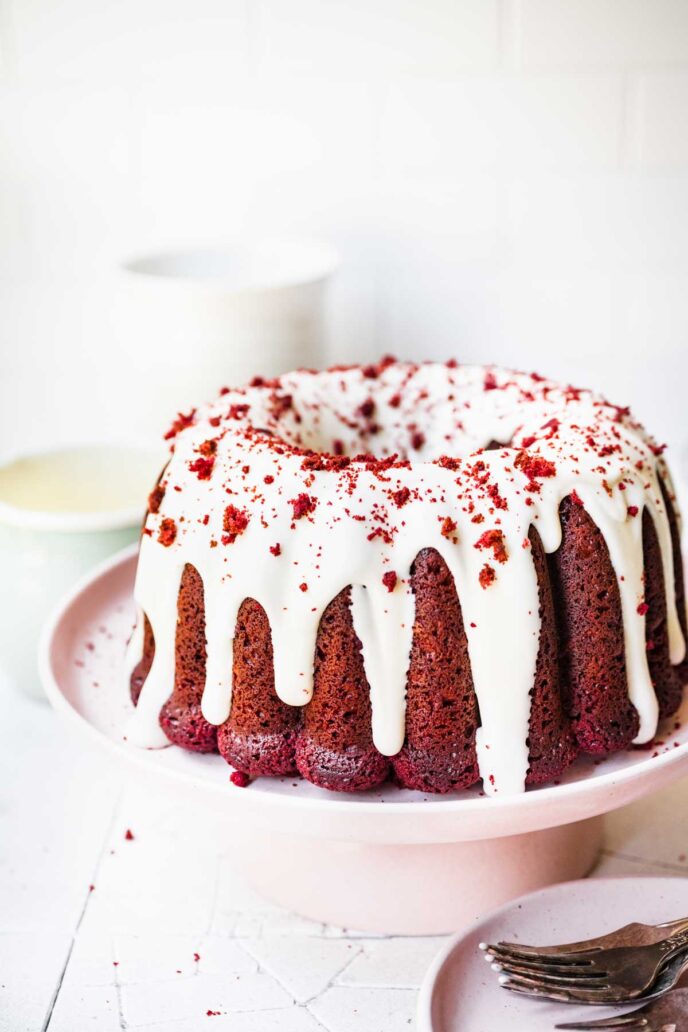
x: 668, y: 1014
x: 634, y: 934
x: 591, y: 976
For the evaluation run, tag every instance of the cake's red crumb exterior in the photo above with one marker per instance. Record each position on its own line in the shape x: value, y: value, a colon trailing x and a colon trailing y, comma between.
x: 551, y: 743
x: 181, y: 718
x: 665, y: 679
x: 334, y: 748
x: 591, y: 637
x: 260, y: 735
x: 441, y: 707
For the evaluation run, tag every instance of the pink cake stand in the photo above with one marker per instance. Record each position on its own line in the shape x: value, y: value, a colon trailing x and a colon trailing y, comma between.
x: 387, y: 861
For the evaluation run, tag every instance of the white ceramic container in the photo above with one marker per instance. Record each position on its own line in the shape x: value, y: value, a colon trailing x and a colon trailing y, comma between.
x: 61, y: 512
x: 192, y: 321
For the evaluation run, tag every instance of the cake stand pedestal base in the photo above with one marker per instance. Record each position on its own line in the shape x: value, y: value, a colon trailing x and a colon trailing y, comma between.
x: 411, y: 889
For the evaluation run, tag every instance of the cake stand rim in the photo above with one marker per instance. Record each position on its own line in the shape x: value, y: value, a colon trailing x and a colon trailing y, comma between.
x: 474, y: 818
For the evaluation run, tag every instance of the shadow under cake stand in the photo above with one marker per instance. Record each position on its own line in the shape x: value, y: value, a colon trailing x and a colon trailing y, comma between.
x: 388, y: 860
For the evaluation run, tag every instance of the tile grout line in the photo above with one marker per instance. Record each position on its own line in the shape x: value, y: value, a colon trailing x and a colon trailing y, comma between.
x: 632, y: 858
x: 82, y: 914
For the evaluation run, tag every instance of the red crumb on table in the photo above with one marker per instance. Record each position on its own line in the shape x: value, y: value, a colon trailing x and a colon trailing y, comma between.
x: 239, y: 778
x: 276, y: 549
x: 129, y: 835
x: 197, y: 957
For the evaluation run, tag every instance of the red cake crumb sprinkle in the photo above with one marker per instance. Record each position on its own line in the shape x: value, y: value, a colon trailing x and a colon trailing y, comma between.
x: 276, y: 549
x: 202, y: 467
x: 490, y: 381
x: 303, y: 587
x: 494, y: 539
x: 389, y: 580
x: 535, y: 467
x: 576, y: 498
x: 657, y: 449
x: 155, y: 498
x: 129, y: 835
x: 448, y: 527
x: 401, y: 497
x: 303, y: 505
x: 528, y: 441
x: 167, y: 532
x: 417, y: 440
x: 650, y: 645
x: 208, y: 448
x: 487, y: 576
x: 213, y: 1014
x: 367, y: 408
x: 394, y: 401
x: 447, y: 462
x: 234, y: 523
x: 632, y: 510
x: 337, y: 447
x: 181, y: 422
x: 197, y: 957
x: 643, y: 608
x: 239, y: 778
x: 239, y: 411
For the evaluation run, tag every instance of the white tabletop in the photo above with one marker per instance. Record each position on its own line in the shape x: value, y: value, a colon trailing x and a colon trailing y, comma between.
x: 122, y: 955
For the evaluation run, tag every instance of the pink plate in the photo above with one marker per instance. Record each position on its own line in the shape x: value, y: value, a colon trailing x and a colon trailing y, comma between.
x: 462, y: 994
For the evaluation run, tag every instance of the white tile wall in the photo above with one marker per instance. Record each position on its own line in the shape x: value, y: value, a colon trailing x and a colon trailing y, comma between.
x: 505, y: 179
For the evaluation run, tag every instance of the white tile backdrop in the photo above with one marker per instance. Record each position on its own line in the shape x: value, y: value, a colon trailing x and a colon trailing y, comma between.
x: 505, y: 179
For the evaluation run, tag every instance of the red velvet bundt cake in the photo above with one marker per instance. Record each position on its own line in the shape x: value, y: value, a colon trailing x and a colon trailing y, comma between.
x: 434, y: 573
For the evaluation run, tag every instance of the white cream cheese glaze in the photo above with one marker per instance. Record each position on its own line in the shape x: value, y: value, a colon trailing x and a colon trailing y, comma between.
x: 249, y: 505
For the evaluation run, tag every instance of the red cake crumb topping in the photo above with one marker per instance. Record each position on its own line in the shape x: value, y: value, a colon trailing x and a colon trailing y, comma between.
x: 417, y: 440
x: 234, y: 523
x: 238, y: 411
x: 239, y: 778
x: 389, y: 580
x: 303, y: 587
x: 129, y: 835
x: 494, y: 539
x: 181, y: 422
x: 448, y: 528
x: 276, y: 549
x: 487, y: 576
x: 394, y: 401
x: 447, y: 462
x: 155, y: 498
x: 632, y: 510
x: 367, y: 408
x: 657, y: 449
x: 208, y: 448
x: 401, y: 497
x: 490, y: 381
x: 167, y: 532
x: 643, y: 608
x: 303, y: 505
x: 576, y: 498
x: 202, y: 467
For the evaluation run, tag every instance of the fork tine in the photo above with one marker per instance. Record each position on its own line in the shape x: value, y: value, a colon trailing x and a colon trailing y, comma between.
x: 622, y: 1021
x: 546, y: 982
x: 575, y: 976
x: 581, y: 963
